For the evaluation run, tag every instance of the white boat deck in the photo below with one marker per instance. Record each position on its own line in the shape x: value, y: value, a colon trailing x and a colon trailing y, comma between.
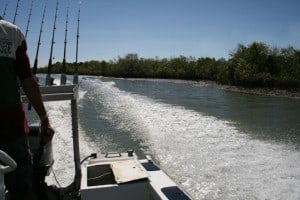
x: 155, y: 186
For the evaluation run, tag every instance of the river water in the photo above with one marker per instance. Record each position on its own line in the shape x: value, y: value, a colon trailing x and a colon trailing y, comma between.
x: 216, y: 144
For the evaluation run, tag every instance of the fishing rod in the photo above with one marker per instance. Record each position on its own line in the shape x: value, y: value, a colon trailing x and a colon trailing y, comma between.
x: 63, y: 78
x: 75, y: 77
x: 5, y: 8
x: 28, y: 22
x: 16, y: 12
x: 48, y: 77
x: 34, y: 69
x: 39, y: 41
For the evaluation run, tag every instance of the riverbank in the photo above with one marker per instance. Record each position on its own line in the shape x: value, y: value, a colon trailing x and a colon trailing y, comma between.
x: 257, y: 91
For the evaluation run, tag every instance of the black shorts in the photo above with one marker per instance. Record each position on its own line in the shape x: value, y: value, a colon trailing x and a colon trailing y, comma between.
x: 19, y: 181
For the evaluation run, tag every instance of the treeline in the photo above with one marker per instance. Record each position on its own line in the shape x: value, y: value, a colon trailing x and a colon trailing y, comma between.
x: 255, y: 65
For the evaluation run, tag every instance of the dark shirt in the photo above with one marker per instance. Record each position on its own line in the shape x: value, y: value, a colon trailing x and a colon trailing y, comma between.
x: 14, y: 66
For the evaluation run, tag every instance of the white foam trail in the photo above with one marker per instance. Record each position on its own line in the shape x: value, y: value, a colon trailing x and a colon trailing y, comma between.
x: 210, y: 157
x: 60, y: 118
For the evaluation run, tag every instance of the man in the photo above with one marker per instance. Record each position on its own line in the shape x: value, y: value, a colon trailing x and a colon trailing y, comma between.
x: 14, y: 66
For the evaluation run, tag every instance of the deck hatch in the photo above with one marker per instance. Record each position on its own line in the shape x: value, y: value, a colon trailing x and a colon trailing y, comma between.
x: 128, y: 170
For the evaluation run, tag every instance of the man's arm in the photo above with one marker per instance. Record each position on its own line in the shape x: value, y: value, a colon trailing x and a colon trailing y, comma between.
x: 32, y: 91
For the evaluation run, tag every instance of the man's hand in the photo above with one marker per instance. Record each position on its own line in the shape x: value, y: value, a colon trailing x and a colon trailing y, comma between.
x: 47, y: 132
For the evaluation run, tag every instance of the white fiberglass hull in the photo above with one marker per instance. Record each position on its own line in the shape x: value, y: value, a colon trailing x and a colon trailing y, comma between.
x: 99, y: 180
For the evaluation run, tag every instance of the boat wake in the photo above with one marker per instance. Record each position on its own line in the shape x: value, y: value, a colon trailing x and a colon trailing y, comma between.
x: 209, y: 157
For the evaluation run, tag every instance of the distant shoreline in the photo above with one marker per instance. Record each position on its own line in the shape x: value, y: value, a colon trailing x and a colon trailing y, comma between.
x: 275, y: 92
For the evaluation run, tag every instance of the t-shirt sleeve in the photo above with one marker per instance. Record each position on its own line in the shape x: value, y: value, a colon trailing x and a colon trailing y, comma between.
x: 22, y: 61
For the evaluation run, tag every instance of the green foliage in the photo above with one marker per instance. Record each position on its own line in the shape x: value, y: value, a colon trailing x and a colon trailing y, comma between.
x: 255, y: 65
x: 259, y: 66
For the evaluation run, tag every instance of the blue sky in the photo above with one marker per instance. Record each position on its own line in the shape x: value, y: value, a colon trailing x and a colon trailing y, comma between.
x: 158, y: 28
